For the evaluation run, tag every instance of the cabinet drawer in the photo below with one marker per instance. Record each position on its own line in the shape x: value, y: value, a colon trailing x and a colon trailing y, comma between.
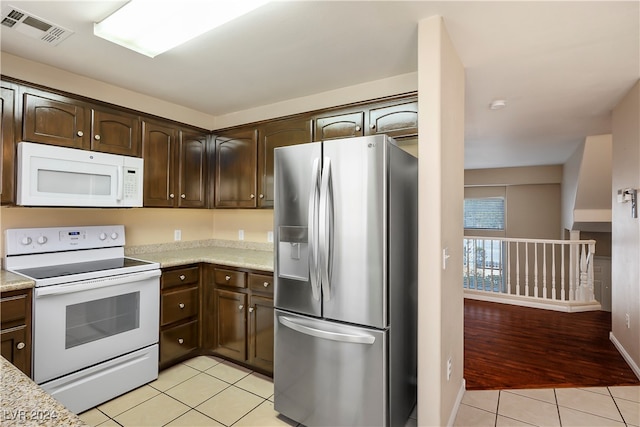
x: 178, y: 305
x: 261, y: 283
x: 14, y: 309
x: 179, y: 277
x: 178, y: 341
x: 237, y: 279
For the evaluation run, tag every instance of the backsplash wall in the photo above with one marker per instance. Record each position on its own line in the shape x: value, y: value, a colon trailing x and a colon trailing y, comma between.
x: 145, y: 226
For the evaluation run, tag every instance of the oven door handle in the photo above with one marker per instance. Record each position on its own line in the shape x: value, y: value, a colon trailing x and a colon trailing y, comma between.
x: 85, y: 285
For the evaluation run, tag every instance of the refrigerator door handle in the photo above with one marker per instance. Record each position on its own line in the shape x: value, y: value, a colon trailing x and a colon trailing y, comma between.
x: 326, y: 228
x: 319, y: 333
x: 314, y: 272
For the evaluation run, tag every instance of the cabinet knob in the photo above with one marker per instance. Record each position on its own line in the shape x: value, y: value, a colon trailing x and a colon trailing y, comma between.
x: 20, y: 345
x: 184, y: 196
x: 250, y: 309
x: 265, y: 284
x: 180, y: 341
x: 252, y: 196
x: 171, y: 196
x: 240, y: 307
x: 181, y: 305
x: 227, y: 278
x: 80, y: 133
x: 182, y: 277
x: 372, y: 126
x: 261, y: 196
x: 358, y: 128
x: 96, y: 137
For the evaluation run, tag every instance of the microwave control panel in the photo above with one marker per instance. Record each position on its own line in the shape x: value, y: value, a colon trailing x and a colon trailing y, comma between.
x: 131, y: 179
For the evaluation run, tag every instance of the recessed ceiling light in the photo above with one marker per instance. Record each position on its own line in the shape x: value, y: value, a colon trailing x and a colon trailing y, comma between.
x: 498, y: 104
x: 152, y: 27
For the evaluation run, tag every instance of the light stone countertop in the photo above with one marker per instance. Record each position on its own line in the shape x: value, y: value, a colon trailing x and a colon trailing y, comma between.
x: 257, y: 256
x: 24, y: 403
x: 12, y: 282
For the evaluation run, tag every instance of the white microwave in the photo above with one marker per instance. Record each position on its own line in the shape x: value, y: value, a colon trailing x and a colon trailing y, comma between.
x: 59, y: 176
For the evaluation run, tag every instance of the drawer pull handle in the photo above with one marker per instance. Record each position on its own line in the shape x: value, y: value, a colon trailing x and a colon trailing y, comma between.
x: 20, y: 345
x: 182, y: 277
x: 358, y: 128
x: 265, y: 284
x: 96, y: 137
x: 250, y: 309
x: 80, y: 133
x: 181, y: 305
x: 227, y: 278
x: 240, y: 307
x: 180, y: 341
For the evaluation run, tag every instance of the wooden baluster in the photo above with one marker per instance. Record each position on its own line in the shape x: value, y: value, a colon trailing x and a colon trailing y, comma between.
x: 544, y: 270
x: 553, y: 271
x: 507, y: 268
x: 563, y: 295
x: 526, y: 269
x: 517, y: 268
x: 535, y: 271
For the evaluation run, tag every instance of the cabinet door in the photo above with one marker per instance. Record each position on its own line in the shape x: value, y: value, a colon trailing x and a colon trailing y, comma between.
x: 56, y: 120
x: 231, y: 336
x: 115, y: 132
x: 16, y: 348
x: 344, y: 125
x: 261, y: 332
x: 158, y: 143
x: 399, y: 120
x: 236, y: 161
x: 277, y: 134
x: 8, y: 98
x: 193, y: 166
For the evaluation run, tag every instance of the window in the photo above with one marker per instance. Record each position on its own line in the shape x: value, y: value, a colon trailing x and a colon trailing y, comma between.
x: 485, y: 213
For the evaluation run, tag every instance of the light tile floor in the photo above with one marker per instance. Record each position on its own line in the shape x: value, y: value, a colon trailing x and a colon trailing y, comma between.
x: 207, y: 391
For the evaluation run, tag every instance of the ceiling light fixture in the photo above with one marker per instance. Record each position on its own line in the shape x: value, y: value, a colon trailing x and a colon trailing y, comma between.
x: 498, y: 104
x: 152, y: 27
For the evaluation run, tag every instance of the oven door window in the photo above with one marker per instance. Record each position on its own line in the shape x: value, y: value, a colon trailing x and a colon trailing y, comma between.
x: 97, y: 319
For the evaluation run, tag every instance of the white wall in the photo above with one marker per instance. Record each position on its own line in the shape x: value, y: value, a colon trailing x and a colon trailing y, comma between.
x: 441, y: 184
x: 586, y: 186
x: 625, y: 238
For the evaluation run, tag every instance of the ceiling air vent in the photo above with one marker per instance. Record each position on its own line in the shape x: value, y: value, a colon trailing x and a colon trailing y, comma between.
x: 32, y: 26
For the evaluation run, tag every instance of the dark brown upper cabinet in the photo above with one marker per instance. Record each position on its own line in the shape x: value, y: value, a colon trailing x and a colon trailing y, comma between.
x: 115, y: 132
x: 193, y: 170
x: 8, y: 127
x: 395, y: 120
x: 272, y: 135
x: 339, y: 125
x: 236, y: 160
x: 53, y: 119
x: 158, y: 152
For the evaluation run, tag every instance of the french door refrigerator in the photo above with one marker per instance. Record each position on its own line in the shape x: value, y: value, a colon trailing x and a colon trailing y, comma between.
x: 345, y: 227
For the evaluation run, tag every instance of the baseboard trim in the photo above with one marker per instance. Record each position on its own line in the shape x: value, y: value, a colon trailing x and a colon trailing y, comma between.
x: 632, y: 364
x: 456, y: 406
x: 556, y: 305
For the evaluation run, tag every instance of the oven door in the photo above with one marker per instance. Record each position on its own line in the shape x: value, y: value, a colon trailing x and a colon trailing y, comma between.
x: 79, y: 324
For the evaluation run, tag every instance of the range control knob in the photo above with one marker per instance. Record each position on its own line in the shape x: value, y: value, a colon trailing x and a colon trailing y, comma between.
x: 42, y: 240
x: 26, y: 240
x: 102, y: 236
x: 114, y: 235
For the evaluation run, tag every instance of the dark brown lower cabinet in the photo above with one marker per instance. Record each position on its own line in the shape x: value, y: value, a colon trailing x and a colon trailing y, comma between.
x: 15, y: 328
x: 261, y: 332
x: 179, y: 314
x: 238, y: 316
x: 231, y: 328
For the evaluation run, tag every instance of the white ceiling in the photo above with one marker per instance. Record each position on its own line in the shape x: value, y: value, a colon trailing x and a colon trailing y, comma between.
x: 561, y: 66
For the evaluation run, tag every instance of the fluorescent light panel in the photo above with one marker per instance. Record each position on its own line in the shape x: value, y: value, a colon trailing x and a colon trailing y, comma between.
x: 151, y: 27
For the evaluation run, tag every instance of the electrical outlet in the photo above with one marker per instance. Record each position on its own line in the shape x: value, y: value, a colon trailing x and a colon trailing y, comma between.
x: 240, y: 234
x: 270, y: 236
x: 449, y: 368
x: 627, y: 320
x: 177, y: 235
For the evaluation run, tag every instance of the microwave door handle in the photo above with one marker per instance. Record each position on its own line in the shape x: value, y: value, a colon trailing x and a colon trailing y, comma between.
x: 120, y: 183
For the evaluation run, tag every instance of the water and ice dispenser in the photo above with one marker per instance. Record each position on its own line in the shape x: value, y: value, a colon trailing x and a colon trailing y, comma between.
x: 293, y: 249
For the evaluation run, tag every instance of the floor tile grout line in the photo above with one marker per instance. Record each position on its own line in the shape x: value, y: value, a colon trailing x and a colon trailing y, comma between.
x: 617, y: 407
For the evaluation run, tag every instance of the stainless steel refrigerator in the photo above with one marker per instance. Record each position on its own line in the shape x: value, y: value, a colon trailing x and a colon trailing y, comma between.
x: 345, y: 229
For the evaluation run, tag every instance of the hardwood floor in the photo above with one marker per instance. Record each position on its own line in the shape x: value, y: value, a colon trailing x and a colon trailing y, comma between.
x: 509, y: 347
